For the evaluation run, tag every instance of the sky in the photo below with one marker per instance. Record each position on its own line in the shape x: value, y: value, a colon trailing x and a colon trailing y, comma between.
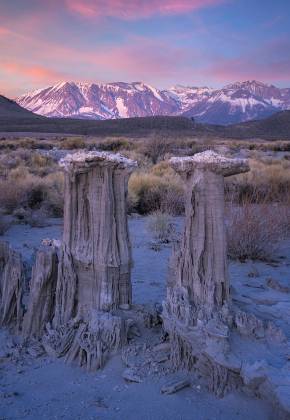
x: 160, y: 42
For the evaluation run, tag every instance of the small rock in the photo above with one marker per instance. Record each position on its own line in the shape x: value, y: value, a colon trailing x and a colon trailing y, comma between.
x: 254, y: 374
x: 131, y: 375
x: 125, y: 306
x: 174, y: 386
x: 162, y: 347
x: 276, y: 285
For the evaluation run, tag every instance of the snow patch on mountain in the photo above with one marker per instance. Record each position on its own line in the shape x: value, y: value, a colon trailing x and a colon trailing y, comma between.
x: 122, y: 109
x: 236, y: 102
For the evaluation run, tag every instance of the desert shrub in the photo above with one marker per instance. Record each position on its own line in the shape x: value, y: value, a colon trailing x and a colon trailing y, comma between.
x: 172, y: 201
x: 160, y: 226
x: 27, y: 143
x: 37, y: 218
x: 39, y: 160
x: 54, y: 190
x: 114, y: 145
x: 268, y: 180
x: 144, y: 162
x: 163, y: 169
x: 156, y: 190
x: 23, y: 190
x: 73, y: 143
x: 156, y: 146
x: 145, y: 191
x: 19, y: 174
x: 35, y: 195
x: 11, y: 196
x: 46, y: 192
x: 255, y: 230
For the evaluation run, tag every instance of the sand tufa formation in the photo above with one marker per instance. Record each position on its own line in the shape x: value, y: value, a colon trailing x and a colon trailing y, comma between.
x: 200, y: 266
x: 77, y: 284
x: 11, y: 286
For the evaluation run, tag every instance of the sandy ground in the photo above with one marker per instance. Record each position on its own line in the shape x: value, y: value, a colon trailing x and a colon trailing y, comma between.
x: 43, y: 388
x: 47, y: 389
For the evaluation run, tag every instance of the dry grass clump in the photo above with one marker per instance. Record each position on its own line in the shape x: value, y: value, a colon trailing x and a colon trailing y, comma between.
x: 30, y: 180
x: 114, y: 144
x: 258, y: 209
x: 159, y: 146
x: 161, y: 226
x: 71, y: 143
x: 158, y: 189
x: 256, y: 144
x: 268, y: 180
x: 33, y: 192
x: 255, y: 230
x: 156, y: 146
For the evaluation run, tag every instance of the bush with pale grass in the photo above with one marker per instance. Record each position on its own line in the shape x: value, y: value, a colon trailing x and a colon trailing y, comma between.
x: 161, y: 227
x: 254, y: 231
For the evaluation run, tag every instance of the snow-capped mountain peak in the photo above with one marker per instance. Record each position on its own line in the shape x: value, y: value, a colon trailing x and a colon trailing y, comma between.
x: 236, y: 102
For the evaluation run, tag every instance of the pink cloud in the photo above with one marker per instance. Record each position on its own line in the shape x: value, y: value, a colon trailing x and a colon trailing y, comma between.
x: 36, y: 73
x: 141, y: 58
x: 134, y: 9
x: 241, y: 69
x: 4, y: 31
x: 269, y: 62
x: 138, y: 58
x: 47, y: 62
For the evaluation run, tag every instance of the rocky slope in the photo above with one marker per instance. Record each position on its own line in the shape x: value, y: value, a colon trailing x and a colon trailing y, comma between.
x: 10, y: 109
x: 238, y: 102
x: 99, y: 101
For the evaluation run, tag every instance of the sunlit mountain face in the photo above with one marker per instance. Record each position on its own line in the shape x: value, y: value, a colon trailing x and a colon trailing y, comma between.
x: 237, y: 102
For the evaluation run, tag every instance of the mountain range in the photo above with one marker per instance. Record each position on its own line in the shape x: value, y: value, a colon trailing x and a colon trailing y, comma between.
x: 14, y: 118
x: 234, y: 103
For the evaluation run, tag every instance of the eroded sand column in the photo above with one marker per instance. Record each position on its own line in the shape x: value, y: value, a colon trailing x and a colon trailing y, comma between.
x: 82, y: 317
x: 198, y: 291
x: 96, y: 255
x: 11, y: 286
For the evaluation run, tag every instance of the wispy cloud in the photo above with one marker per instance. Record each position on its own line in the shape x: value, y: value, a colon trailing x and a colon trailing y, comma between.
x: 270, y: 62
x: 135, y: 9
x: 138, y: 58
x: 4, y: 32
x: 33, y: 72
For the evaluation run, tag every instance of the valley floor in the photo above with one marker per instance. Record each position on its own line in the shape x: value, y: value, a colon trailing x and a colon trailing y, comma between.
x: 42, y: 388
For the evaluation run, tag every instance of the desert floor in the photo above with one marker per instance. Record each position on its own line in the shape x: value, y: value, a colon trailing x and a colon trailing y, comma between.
x: 43, y: 388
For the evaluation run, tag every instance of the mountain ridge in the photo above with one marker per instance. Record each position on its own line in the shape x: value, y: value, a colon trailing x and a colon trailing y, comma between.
x: 10, y: 109
x: 17, y: 119
x: 236, y: 102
